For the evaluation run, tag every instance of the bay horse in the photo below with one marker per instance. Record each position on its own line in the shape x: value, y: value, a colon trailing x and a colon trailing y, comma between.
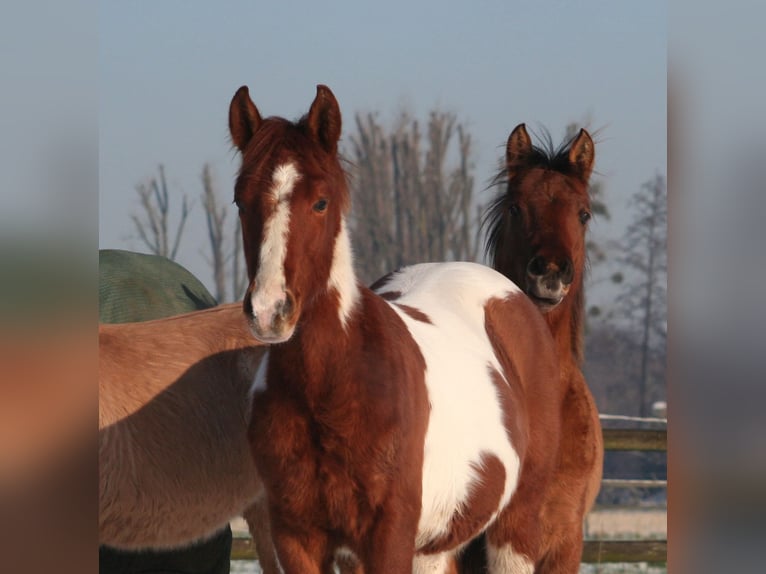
x: 536, y: 231
x: 393, y: 425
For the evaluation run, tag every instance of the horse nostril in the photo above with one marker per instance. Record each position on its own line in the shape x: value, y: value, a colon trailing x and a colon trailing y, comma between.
x: 288, y: 305
x: 567, y: 272
x: 247, y: 304
x: 537, y: 266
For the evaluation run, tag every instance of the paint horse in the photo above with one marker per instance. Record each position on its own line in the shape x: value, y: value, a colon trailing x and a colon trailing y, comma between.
x: 174, y: 460
x: 536, y: 237
x: 393, y: 426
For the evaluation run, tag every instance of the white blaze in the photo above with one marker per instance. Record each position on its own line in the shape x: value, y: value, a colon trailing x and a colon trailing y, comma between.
x: 270, y: 279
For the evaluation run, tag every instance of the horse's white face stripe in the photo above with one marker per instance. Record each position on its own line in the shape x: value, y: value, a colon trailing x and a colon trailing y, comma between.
x: 270, y: 279
x: 342, y: 277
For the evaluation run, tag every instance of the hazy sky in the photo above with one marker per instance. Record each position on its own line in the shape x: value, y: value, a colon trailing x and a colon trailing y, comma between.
x: 168, y: 70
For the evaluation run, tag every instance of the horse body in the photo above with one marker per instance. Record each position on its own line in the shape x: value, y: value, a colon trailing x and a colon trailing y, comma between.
x: 174, y: 459
x: 392, y: 423
x: 467, y: 320
x: 536, y: 238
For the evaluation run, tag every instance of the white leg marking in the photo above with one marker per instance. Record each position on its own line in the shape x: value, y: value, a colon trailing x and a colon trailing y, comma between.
x: 270, y: 279
x: 342, y: 277
x: 431, y: 563
x: 345, y: 557
x: 505, y: 559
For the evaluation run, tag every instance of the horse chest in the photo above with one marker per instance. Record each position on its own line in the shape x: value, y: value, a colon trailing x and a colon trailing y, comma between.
x: 317, y: 471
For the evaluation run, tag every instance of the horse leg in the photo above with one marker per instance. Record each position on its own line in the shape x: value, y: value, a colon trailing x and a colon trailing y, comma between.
x: 390, y: 548
x: 303, y: 552
x: 257, y: 517
x: 565, y: 555
x: 348, y: 563
x: 443, y: 563
x: 506, y: 559
x: 515, y: 541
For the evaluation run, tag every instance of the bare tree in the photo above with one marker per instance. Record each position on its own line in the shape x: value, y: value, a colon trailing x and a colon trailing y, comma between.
x: 152, y: 225
x: 410, y: 204
x: 215, y: 218
x: 644, y: 300
x: 220, y: 252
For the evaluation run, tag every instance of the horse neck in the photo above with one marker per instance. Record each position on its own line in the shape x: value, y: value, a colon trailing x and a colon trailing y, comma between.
x: 330, y: 323
x: 566, y: 325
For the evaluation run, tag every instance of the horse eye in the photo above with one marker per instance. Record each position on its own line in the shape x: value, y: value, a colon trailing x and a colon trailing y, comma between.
x: 513, y: 209
x: 584, y: 217
x: 320, y: 205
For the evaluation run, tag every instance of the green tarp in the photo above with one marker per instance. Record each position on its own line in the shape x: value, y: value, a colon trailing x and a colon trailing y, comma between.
x: 139, y: 287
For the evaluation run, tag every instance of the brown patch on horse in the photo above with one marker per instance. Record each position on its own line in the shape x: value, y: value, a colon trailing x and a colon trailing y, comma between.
x: 390, y: 295
x: 510, y: 394
x: 383, y: 281
x: 531, y: 367
x: 485, y: 493
x: 414, y: 313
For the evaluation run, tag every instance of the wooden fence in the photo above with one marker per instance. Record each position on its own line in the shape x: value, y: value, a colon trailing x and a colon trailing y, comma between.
x: 594, y: 551
x: 656, y: 551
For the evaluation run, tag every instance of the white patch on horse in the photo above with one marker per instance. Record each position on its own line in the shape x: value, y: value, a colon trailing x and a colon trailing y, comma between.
x: 270, y: 279
x: 342, y: 277
x: 431, y: 563
x: 466, y: 416
x: 506, y: 559
x: 347, y: 557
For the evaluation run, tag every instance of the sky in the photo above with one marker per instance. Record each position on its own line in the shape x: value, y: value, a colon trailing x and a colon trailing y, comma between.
x: 168, y: 70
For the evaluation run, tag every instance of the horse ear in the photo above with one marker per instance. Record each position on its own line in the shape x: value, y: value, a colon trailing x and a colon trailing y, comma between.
x: 582, y: 154
x: 324, y: 119
x: 244, y: 119
x: 518, y: 147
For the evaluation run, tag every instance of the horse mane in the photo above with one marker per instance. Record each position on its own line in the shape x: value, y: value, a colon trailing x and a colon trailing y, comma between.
x: 577, y: 324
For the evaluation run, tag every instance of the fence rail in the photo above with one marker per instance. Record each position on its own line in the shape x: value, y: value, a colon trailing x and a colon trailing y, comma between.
x: 594, y: 551
x: 603, y: 551
x: 635, y: 439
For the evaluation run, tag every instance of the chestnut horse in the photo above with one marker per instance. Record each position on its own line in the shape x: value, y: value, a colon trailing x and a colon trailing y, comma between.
x: 536, y: 237
x: 395, y: 426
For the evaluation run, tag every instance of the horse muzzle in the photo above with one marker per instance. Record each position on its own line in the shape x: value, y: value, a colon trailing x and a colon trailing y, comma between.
x: 271, y: 319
